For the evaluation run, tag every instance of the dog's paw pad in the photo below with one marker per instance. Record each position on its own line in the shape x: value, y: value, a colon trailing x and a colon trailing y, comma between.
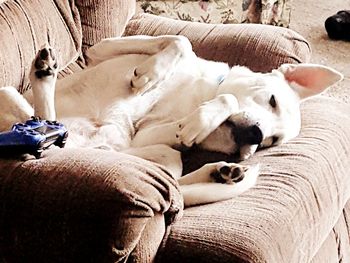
x: 45, y: 63
x: 229, y: 173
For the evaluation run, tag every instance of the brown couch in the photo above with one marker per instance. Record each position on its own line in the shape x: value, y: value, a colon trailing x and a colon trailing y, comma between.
x: 84, y: 205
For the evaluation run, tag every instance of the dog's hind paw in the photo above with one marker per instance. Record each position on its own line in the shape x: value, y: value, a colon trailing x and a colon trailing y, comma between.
x: 142, y: 82
x: 229, y: 173
x: 45, y: 64
x: 150, y: 73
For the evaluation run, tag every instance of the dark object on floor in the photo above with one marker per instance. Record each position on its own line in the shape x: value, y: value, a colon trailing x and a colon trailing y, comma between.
x: 338, y: 25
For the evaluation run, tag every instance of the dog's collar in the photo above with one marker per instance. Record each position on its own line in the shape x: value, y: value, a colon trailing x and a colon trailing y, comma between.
x: 221, y: 79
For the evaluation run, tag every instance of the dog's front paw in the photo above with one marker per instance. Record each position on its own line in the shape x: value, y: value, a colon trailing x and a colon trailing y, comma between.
x: 229, y: 173
x: 194, y: 128
x: 45, y: 64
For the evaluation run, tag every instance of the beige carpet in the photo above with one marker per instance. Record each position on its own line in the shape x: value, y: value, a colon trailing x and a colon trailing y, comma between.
x: 308, y: 18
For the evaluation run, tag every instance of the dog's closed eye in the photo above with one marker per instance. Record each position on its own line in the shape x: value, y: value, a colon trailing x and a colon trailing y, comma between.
x: 273, y: 102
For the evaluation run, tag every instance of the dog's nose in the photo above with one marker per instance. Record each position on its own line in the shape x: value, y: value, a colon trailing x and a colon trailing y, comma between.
x: 255, y: 134
x: 250, y: 135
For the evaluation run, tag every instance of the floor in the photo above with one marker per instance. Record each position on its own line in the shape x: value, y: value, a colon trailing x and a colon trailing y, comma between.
x: 308, y: 18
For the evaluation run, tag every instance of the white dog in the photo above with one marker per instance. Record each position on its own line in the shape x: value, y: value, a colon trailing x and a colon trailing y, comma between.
x: 151, y: 97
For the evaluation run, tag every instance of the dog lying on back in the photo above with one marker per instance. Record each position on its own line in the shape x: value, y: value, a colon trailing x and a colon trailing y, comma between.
x: 152, y: 97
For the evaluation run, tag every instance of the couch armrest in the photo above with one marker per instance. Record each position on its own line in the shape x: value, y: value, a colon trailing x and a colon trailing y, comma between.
x: 259, y: 47
x: 81, y: 205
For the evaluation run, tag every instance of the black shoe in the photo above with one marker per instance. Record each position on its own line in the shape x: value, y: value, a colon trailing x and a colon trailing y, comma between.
x: 338, y: 25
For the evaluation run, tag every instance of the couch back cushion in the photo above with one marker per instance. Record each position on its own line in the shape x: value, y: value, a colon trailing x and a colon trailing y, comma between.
x: 25, y: 26
x: 103, y: 18
x: 270, y: 12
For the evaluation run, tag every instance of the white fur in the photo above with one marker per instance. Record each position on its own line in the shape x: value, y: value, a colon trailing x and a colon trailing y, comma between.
x: 143, y: 95
x: 14, y: 108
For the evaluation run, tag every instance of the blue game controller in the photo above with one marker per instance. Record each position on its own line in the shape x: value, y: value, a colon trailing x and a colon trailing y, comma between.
x: 33, y: 137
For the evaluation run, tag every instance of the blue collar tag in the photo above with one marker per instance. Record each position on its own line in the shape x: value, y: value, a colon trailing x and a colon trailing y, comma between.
x: 221, y: 79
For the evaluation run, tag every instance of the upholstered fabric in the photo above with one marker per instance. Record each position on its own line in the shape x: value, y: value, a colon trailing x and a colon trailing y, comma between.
x: 336, y: 248
x: 287, y: 216
x: 260, y: 47
x: 84, y: 206
x: 28, y: 25
x: 103, y: 19
x: 269, y: 12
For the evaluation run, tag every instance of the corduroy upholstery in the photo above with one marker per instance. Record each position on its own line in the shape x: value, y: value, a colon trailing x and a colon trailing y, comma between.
x: 102, y: 19
x: 259, y: 47
x: 87, y: 205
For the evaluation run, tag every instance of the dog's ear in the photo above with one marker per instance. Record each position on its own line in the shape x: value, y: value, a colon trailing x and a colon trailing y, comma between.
x: 309, y: 79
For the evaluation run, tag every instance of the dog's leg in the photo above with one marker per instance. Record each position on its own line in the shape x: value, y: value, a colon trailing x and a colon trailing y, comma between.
x: 165, y: 53
x: 14, y: 108
x: 43, y: 78
x: 216, y: 182
x: 211, y: 183
x: 158, y: 134
x: 148, y: 45
x: 192, y: 129
x: 163, y: 64
x: 160, y: 154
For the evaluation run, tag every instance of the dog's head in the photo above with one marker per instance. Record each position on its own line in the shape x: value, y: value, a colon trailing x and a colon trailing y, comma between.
x: 269, y: 112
